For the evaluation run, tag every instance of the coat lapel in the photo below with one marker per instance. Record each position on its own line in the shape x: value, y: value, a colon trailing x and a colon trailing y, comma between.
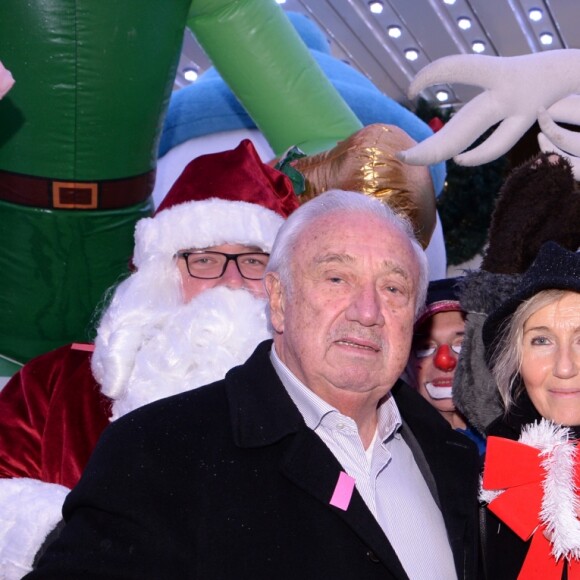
x: 310, y: 465
x: 263, y: 413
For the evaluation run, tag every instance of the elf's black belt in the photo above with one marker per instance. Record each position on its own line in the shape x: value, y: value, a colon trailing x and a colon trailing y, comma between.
x: 57, y: 194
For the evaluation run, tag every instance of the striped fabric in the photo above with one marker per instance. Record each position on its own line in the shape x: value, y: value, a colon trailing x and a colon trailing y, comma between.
x: 387, y: 477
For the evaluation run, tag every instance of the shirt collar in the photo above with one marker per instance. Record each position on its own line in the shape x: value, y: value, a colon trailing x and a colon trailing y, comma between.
x: 313, y: 408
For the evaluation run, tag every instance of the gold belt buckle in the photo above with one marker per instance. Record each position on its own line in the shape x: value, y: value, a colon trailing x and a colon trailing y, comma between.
x: 73, y: 195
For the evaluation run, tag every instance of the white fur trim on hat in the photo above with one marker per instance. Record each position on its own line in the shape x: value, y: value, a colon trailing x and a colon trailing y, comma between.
x: 201, y: 224
x: 29, y: 511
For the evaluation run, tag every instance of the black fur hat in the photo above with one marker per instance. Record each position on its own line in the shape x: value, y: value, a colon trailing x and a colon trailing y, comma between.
x: 554, y: 268
x: 539, y: 202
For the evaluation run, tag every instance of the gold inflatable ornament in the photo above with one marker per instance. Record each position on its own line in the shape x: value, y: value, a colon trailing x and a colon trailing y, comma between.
x: 366, y: 162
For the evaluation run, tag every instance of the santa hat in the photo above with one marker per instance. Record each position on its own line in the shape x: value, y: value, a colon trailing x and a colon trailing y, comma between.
x: 230, y: 197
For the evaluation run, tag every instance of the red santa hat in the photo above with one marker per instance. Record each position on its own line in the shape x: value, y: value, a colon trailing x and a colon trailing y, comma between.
x: 230, y: 197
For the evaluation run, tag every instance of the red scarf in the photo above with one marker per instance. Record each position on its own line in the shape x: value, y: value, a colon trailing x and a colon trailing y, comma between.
x: 534, y: 483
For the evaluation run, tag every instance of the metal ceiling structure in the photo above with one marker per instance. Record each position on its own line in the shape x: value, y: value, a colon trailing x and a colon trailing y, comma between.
x: 429, y: 27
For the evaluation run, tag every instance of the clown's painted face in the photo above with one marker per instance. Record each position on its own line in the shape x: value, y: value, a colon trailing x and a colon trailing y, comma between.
x: 436, y: 346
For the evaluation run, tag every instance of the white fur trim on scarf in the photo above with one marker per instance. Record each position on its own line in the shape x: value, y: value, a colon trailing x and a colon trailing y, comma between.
x: 560, y: 503
x: 29, y: 511
x: 195, y: 345
x: 201, y: 224
x: 488, y: 495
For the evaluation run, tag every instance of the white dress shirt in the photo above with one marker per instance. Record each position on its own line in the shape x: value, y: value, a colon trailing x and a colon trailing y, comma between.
x: 387, y: 477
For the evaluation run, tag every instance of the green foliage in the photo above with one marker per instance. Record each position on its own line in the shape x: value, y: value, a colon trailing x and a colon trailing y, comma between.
x: 466, y: 204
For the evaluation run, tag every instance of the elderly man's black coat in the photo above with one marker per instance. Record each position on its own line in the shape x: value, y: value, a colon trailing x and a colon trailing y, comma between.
x: 228, y: 482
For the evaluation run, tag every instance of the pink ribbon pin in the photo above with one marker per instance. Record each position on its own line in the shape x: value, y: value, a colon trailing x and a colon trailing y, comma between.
x: 343, y: 491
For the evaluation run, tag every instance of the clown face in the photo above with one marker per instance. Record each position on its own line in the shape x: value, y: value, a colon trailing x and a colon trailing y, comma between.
x: 436, y: 346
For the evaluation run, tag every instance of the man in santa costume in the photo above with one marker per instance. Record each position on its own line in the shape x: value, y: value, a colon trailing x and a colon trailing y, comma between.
x: 193, y: 309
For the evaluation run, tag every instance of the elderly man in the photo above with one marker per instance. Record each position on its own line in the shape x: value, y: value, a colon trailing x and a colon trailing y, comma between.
x: 308, y: 461
x: 194, y: 308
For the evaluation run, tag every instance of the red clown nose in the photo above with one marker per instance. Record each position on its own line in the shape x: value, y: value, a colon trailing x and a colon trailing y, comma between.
x: 444, y: 359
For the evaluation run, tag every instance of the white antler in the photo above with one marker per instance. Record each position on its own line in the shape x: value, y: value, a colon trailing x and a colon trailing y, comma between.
x: 516, y: 89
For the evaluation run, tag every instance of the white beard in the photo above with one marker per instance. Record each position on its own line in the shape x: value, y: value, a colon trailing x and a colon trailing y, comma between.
x: 193, y: 345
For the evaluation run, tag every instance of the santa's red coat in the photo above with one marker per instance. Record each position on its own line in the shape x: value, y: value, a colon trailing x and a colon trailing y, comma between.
x: 51, y: 415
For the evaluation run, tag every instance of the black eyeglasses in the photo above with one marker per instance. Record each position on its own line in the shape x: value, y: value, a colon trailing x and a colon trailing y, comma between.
x: 209, y: 265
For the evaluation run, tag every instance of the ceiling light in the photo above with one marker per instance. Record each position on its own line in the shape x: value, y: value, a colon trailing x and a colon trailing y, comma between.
x: 464, y: 23
x: 190, y: 74
x: 478, y: 46
x: 450, y: 2
x: 394, y: 31
x: 376, y: 7
x: 411, y: 54
x: 280, y: 1
x: 535, y: 14
x: 546, y: 38
x: 442, y: 96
